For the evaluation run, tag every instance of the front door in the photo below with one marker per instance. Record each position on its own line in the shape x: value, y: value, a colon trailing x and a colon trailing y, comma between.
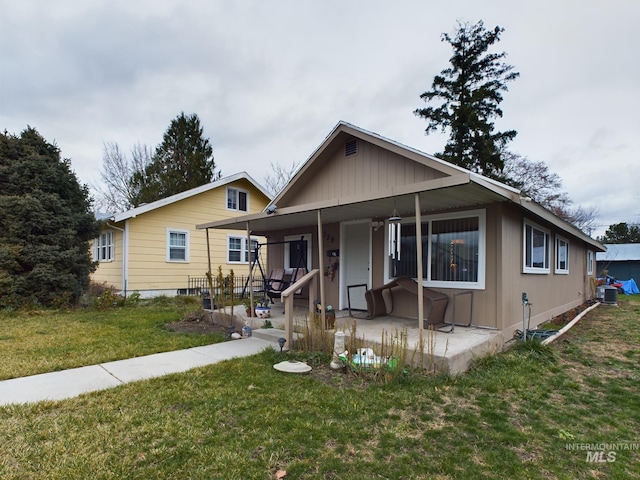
x: 355, y: 261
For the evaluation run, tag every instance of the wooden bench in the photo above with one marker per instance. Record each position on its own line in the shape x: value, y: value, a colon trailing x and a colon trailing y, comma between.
x: 435, y: 303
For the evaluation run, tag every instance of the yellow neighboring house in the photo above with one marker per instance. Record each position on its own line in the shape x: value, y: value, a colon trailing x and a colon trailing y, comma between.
x: 154, y: 249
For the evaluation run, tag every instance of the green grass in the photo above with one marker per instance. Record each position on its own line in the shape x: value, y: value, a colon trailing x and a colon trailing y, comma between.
x: 45, y: 341
x: 514, y: 415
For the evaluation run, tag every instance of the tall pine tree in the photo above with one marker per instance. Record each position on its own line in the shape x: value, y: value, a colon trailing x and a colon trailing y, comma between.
x: 184, y: 160
x: 45, y: 224
x: 466, y: 99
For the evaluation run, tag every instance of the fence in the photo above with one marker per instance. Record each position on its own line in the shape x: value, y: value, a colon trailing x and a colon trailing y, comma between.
x: 200, y: 286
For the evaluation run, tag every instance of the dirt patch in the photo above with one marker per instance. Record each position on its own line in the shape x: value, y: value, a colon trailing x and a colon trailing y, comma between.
x: 202, y: 323
x: 566, y: 317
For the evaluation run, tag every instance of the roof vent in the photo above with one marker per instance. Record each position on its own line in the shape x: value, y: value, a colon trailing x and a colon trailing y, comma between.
x: 350, y: 148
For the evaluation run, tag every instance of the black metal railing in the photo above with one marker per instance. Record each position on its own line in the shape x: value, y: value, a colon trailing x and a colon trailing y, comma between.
x: 200, y: 286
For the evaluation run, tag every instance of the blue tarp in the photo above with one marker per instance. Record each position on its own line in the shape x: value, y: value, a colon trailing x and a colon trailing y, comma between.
x: 629, y: 287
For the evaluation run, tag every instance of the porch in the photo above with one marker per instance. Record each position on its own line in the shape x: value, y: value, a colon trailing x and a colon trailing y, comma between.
x: 448, y: 352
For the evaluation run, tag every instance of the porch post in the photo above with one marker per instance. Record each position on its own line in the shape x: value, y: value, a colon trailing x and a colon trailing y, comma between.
x: 321, y: 268
x: 250, y: 270
x: 419, y: 263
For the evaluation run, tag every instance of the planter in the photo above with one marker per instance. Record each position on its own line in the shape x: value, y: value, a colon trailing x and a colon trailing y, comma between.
x: 263, y: 312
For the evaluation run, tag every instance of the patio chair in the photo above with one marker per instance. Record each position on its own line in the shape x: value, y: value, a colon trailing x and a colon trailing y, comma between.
x: 435, y: 303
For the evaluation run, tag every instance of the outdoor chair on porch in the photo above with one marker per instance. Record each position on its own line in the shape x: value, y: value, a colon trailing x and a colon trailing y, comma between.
x: 435, y: 303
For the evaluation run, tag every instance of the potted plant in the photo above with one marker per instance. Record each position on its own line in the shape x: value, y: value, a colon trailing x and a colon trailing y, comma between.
x: 263, y: 310
x: 247, y: 305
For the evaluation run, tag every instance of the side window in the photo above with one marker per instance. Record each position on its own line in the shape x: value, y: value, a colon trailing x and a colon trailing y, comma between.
x: 104, y: 249
x: 590, y: 268
x: 535, y: 249
x: 562, y: 256
x: 237, y: 251
x: 177, y: 246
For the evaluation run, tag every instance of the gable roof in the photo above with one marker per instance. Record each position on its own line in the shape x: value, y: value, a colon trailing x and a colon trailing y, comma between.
x: 134, y: 212
x: 619, y: 252
x: 459, y: 188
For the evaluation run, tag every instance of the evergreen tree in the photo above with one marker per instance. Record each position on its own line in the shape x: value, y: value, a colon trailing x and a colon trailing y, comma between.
x: 621, y: 233
x: 467, y: 97
x: 45, y: 224
x: 184, y: 160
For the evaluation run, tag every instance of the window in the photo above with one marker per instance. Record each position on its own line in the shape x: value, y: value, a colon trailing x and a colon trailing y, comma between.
x: 589, y: 262
x: 177, y: 246
x: 297, y: 252
x: 536, y: 249
x: 237, y: 199
x: 103, y: 247
x: 237, y: 251
x: 453, y: 250
x: 562, y: 256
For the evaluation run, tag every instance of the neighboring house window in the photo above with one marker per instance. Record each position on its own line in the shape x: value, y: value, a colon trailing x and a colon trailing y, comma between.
x: 104, y: 247
x: 237, y: 199
x: 453, y: 250
x: 536, y: 249
x: 237, y: 251
x: 177, y: 245
x: 562, y: 256
x: 589, y: 262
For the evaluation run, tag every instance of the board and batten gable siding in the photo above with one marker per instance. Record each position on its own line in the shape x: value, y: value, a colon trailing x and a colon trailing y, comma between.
x: 372, y: 169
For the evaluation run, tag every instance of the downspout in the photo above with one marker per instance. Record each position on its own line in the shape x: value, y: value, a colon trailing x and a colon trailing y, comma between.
x: 125, y: 253
x: 419, y: 263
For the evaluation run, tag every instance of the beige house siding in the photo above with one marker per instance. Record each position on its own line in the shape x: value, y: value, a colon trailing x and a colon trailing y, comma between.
x: 371, y: 170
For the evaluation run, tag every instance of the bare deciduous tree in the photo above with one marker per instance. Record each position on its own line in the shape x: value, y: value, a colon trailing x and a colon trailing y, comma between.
x: 279, y: 177
x: 115, y: 193
x: 535, y: 180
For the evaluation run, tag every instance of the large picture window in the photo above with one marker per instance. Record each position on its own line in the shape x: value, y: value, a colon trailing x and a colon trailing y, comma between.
x: 453, y: 249
x: 104, y: 247
x: 177, y: 246
x: 536, y: 249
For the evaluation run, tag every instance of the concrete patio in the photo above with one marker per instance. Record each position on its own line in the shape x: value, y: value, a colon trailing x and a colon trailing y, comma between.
x: 447, y: 352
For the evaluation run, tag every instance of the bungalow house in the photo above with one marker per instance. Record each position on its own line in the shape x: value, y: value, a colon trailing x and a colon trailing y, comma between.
x: 154, y: 249
x: 368, y: 210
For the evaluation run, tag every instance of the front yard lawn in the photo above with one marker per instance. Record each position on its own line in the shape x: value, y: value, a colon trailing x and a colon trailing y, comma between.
x: 531, y: 412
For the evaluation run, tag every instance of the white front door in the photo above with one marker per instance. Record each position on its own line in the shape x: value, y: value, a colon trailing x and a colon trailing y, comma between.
x: 355, y: 259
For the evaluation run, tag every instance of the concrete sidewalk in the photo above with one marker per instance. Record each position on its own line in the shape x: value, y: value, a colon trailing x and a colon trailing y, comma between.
x: 73, y: 382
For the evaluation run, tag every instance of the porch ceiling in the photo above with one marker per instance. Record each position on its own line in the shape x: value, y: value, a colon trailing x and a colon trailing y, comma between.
x: 340, y: 210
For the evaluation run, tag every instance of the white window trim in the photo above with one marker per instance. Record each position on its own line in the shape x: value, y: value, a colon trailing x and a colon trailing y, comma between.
x: 558, y: 270
x: 535, y: 270
x: 237, y: 190
x: 590, y: 262
x: 97, y: 246
x: 482, y: 250
x: 244, y: 253
x: 306, y: 237
x: 168, y: 242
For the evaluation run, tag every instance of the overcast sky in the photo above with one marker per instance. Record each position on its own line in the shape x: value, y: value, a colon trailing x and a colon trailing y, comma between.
x: 270, y: 79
